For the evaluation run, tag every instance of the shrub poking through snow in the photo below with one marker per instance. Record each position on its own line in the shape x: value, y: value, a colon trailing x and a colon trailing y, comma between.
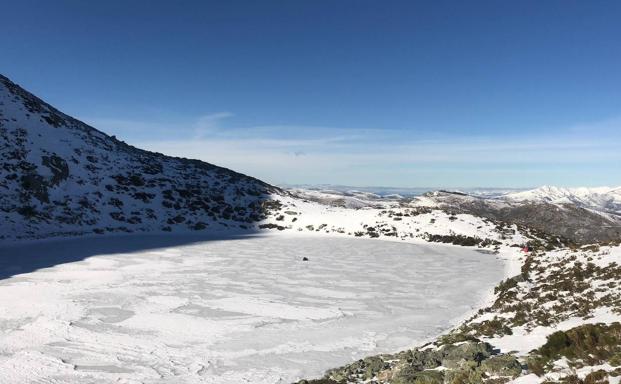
x: 588, y: 344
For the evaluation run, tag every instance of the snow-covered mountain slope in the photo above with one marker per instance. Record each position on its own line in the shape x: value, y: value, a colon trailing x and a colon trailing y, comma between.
x: 404, y: 223
x: 59, y: 176
x: 602, y: 198
x: 577, y: 223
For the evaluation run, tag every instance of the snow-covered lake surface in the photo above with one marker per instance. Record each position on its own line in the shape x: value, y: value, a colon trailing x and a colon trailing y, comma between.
x: 147, y: 309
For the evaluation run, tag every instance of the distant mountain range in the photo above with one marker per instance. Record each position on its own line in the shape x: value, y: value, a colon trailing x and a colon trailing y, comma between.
x: 603, y: 199
x: 606, y: 199
x: 400, y: 191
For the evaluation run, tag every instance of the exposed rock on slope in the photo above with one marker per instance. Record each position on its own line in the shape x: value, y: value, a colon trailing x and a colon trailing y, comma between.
x: 61, y: 176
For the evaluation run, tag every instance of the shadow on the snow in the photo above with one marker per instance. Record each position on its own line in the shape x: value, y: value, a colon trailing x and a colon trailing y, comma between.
x: 22, y: 258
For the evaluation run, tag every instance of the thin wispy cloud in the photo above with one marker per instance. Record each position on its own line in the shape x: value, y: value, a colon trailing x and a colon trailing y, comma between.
x: 210, y: 124
x: 295, y: 154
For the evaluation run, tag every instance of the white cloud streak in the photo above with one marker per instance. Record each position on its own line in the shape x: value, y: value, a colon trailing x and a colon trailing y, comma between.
x: 293, y: 154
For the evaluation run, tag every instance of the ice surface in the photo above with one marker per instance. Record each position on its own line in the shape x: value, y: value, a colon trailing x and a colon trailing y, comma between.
x: 228, y: 311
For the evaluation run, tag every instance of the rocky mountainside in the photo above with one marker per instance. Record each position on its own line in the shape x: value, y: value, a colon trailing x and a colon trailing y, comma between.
x: 59, y: 176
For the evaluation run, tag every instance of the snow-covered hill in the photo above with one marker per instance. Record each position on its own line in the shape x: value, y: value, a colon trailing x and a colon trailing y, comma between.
x: 59, y: 176
x: 573, y: 221
x: 602, y: 198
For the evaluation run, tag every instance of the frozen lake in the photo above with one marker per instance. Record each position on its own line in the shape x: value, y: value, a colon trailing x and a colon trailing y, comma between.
x: 224, y: 311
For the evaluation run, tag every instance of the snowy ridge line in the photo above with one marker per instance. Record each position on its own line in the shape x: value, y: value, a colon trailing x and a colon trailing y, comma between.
x: 607, y: 199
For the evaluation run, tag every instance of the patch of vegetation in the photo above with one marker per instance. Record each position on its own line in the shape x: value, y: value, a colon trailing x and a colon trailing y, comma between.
x: 58, y: 166
x: 558, y: 288
x: 272, y: 226
x: 27, y: 211
x: 463, y: 240
x: 488, y: 328
x: 588, y: 344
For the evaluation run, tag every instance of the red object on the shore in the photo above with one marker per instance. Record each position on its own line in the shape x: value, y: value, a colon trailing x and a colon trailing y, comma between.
x: 525, y: 249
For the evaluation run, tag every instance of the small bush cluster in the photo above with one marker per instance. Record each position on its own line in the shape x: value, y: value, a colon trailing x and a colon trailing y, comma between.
x: 588, y: 344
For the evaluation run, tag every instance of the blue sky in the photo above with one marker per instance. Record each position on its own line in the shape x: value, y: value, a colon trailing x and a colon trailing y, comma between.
x: 355, y: 92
